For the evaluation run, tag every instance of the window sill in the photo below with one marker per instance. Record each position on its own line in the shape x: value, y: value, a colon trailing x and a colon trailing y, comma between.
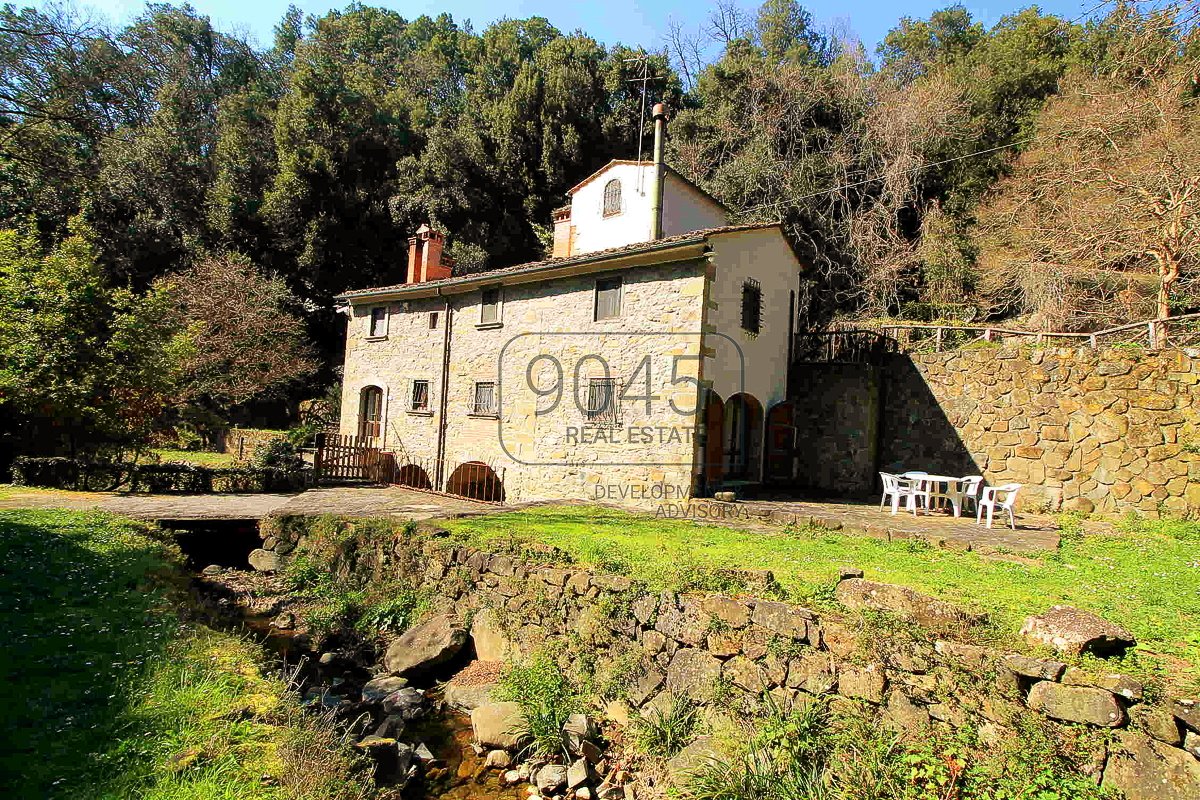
x: 377, y: 338
x: 418, y: 412
x: 487, y: 326
x: 474, y: 415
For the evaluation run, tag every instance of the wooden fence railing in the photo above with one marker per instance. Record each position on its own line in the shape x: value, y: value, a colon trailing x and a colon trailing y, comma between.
x: 858, y: 344
x: 346, y: 458
x: 343, y: 458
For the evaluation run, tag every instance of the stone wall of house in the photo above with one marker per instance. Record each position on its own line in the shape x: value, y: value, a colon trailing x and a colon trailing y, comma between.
x: 1105, y: 430
x: 544, y: 445
x: 715, y: 648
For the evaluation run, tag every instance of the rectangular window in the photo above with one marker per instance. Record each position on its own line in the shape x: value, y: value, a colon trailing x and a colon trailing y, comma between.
x: 485, y: 399
x: 602, y: 401
x: 489, y: 313
x: 433, y: 320
x: 608, y: 298
x: 751, y: 306
x: 420, y: 396
x: 379, y: 321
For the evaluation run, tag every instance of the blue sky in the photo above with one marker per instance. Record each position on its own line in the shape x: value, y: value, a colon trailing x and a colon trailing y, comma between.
x: 633, y: 22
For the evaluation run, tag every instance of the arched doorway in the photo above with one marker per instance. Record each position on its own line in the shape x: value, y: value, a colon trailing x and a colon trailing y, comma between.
x: 781, y: 442
x: 476, y: 481
x: 743, y: 427
x: 712, y: 446
x: 370, y: 412
x: 414, y: 477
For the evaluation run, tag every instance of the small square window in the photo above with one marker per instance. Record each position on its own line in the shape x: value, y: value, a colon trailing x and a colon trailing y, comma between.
x: 433, y: 320
x: 602, y: 401
x: 420, y: 396
x: 752, y: 306
x: 608, y: 298
x: 484, y: 402
x: 489, y: 313
x: 379, y: 321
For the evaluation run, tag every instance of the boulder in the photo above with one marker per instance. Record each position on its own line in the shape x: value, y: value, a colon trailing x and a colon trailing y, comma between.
x: 1187, y: 712
x: 701, y: 752
x: 1144, y: 769
x: 497, y: 725
x: 425, y: 645
x: 490, y: 642
x: 1073, y: 631
x: 550, y: 779
x: 868, y: 683
x: 265, y: 561
x: 498, y: 759
x: 813, y: 673
x: 646, y: 685
x: 576, y: 730
x: 1077, y: 704
x: 746, y: 674
x: 904, y: 713
x: 466, y: 698
x: 408, y: 703
x: 378, y: 688
x: 580, y: 773
x: 928, y: 612
x: 1157, y: 723
x: 783, y: 619
x: 692, y: 673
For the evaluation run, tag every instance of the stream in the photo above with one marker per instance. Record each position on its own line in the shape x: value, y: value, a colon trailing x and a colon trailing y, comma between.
x: 447, y: 766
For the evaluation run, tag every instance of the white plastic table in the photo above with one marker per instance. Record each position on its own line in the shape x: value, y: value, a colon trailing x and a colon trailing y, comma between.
x: 932, y: 487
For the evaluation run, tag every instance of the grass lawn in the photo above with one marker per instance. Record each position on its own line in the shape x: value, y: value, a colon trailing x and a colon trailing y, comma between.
x: 108, y: 693
x: 197, y: 457
x: 1146, y: 578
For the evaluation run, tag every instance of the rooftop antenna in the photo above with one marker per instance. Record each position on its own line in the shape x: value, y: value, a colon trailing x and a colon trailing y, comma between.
x: 644, y: 80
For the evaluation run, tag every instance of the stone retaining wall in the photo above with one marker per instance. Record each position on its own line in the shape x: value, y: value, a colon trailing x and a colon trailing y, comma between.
x: 1104, y: 430
x: 717, y: 648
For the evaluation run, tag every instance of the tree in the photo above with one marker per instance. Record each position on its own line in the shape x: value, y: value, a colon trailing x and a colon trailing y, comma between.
x: 1100, y: 221
x: 252, y: 344
x: 82, y: 365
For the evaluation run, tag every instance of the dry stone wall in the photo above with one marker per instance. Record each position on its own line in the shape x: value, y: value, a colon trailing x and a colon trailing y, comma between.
x: 712, y: 647
x: 1103, y: 430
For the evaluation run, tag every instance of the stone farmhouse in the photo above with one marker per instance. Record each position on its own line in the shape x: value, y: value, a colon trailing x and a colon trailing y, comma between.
x: 646, y: 359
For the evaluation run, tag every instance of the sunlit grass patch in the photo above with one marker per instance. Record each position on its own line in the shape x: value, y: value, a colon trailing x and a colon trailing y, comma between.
x: 107, y: 693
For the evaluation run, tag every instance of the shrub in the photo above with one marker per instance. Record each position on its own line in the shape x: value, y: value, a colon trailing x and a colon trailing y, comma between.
x: 171, y: 477
x: 547, y: 698
x: 665, y: 731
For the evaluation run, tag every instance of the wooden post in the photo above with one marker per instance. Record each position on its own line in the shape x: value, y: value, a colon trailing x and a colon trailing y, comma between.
x: 1092, y: 340
x: 1153, y: 331
x: 318, y: 457
x: 987, y: 334
x: 938, y: 345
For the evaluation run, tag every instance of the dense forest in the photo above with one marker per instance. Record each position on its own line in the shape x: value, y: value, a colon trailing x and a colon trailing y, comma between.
x: 181, y: 206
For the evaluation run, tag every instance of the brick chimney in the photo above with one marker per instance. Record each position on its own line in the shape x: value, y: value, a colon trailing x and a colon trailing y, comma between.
x: 564, y: 233
x: 425, y: 260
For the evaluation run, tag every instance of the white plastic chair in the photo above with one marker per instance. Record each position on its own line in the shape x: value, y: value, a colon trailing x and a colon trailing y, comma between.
x: 921, y: 489
x: 896, y: 488
x: 968, y: 489
x: 991, y: 500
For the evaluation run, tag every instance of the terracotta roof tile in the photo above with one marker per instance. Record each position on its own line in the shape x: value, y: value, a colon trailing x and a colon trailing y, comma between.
x: 534, y: 266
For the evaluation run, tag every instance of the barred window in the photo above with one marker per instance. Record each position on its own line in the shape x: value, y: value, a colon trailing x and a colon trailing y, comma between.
x: 752, y: 306
x: 485, y: 399
x: 602, y: 401
x: 608, y: 298
x: 379, y: 321
x: 433, y: 320
x: 612, y: 198
x: 420, y: 396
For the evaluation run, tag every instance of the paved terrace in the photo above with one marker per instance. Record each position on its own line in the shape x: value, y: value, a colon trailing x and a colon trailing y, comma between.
x: 367, y: 501
x: 1034, y: 533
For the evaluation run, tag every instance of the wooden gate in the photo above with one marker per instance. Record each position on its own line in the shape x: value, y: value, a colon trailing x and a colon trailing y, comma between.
x: 346, y: 458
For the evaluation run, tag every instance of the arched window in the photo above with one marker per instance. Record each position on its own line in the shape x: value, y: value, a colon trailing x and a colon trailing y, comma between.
x: 612, y: 197
x: 370, y: 412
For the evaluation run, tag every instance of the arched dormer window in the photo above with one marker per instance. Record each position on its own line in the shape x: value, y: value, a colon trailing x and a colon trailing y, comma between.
x: 612, y: 198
